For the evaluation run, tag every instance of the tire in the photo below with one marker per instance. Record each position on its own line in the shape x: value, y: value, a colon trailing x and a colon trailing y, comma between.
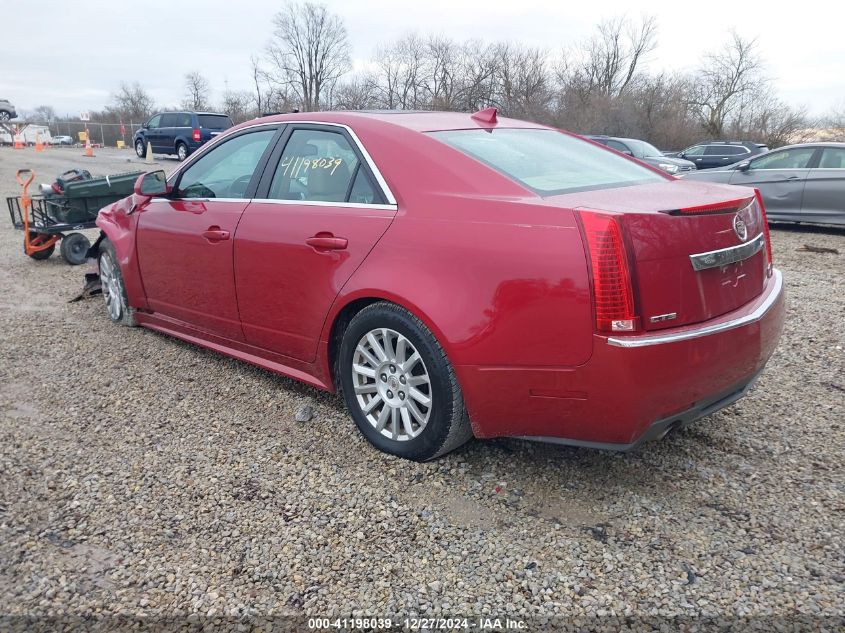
x: 74, y: 247
x: 181, y: 151
x: 5, y: 116
x: 39, y: 255
x: 385, y: 381
x: 114, y: 290
x: 140, y: 148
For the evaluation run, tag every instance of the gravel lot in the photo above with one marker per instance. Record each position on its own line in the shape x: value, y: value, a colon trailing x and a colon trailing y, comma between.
x: 146, y: 477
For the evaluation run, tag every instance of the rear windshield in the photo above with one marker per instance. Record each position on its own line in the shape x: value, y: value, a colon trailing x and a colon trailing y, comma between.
x: 548, y: 162
x: 215, y: 121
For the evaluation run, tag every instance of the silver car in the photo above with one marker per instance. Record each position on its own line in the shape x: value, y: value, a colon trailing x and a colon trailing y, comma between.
x: 799, y: 183
x: 7, y: 110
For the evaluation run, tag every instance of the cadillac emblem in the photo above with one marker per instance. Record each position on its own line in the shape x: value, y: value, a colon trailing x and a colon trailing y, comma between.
x: 740, y: 228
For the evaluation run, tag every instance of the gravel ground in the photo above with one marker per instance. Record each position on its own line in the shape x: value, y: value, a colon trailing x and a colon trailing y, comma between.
x: 146, y: 477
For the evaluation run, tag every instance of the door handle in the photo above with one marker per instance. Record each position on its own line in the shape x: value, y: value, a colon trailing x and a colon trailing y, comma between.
x: 792, y: 177
x: 327, y: 242
x: 215, y: 234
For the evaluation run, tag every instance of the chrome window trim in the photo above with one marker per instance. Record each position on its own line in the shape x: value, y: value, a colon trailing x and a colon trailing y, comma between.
x: 382, y: 183
x: 730, y: 255
x: 307, y: 203
x: 662, y: 339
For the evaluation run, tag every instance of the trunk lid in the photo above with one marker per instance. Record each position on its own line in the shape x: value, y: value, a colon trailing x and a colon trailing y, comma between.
x: 696, y: 250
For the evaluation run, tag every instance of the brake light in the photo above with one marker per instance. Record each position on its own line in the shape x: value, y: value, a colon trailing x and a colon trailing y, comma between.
x: 728, y: 206
x: 613, y: 293
x: 762, y: 207
x: 196, y: 135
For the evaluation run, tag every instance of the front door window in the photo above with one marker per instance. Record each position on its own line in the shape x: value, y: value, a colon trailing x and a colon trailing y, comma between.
x: 226, y: 170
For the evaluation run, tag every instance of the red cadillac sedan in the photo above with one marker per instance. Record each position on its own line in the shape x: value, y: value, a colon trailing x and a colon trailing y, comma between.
x: 454, y: 275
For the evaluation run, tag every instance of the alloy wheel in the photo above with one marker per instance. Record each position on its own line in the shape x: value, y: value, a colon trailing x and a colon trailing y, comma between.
x: 112, y: 288
x: 392, y: 384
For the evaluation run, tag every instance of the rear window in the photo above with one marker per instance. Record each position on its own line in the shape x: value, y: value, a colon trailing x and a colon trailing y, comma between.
x: 215, y: 121
x: 546, y: 161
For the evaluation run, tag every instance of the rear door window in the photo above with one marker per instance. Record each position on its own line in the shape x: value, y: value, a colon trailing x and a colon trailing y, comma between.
x: 321, y: 166
x: 833, y: 158
x: 169, y: 119
x: 182, y: 119
x: 785, y: 159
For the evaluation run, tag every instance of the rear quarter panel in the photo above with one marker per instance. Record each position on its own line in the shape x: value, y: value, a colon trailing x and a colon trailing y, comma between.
x: 497, y: 292
x: 500, y: 277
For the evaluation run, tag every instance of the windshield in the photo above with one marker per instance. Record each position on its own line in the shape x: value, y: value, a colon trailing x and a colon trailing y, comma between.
x: 546, y: 161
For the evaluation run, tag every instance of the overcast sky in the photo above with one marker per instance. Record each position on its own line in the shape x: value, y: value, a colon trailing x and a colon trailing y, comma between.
x: 73, y: 55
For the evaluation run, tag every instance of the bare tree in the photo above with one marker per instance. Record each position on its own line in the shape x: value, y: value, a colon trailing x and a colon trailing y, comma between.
x: 616, y: 52
x: 238, y: 105
x: 44, y: 114
x: 523, y: 81
x: 198, y: 92
x: 309, y: 51
x: 724, y: 80
x: 479, y: 70
x: 443, y: 83
x: 401, y: 73
x: 355, y: 94
x: 131, y: 103
x: 834, y: 121
x: 764, y: 118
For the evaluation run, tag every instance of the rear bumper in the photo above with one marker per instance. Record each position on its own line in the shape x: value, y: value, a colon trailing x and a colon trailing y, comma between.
x: 633, y: 388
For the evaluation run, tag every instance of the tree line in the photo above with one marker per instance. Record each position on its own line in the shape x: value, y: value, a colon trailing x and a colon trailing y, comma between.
x: 601, y: 85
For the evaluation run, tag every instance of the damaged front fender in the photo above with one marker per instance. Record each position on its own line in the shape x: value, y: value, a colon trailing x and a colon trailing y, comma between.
x: 117, y: 223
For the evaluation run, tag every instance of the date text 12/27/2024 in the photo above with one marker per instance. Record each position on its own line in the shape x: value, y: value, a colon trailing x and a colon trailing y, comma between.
x: 417, y: 624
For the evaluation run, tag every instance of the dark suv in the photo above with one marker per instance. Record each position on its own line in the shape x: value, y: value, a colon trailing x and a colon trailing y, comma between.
x: 709, y: 154
x: 179, y: 133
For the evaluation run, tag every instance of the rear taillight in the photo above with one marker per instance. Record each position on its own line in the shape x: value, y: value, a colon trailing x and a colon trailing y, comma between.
x: 728, y: 206
x: 613, y: 292
x: 196, y: 135
x: 770, y: 262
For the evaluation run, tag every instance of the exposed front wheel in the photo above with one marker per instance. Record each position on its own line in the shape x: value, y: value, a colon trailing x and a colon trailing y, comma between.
x: 140, y: 149
x: 4, y: 116
x: 74, y: 247
x: 399, y: 385
x: 114, y: 291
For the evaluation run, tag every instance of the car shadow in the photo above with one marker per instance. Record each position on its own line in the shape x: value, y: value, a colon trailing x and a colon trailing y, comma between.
x: 824, y: 229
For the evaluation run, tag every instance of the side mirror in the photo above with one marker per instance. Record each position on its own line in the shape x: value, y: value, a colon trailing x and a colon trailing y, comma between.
x: 627, y: 152
x: 744, y: 165
x: 153, y: 183
x: 681, y: 155
x: 145, y: 126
